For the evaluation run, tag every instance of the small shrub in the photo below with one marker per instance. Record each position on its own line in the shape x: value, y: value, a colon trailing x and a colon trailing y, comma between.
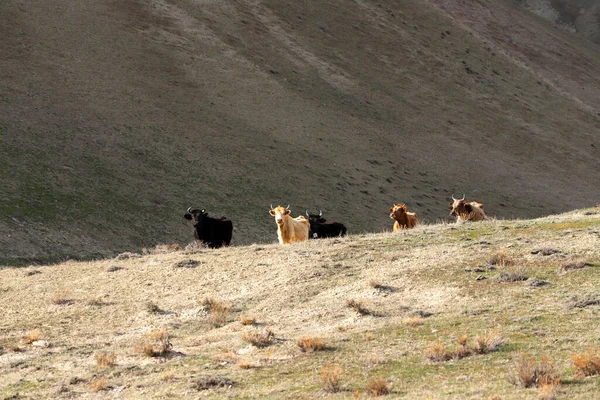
x: 61, y: 297
x: 310, y: 344
x: 368, y: 336
x: 98, y: 385
x: 105, y: 359
x: 330, y: 378
x: 358, y: 307
x: 535, y: 374
x: 588, y: 363
x: 258, y: 339
x: 378, y: 386
x: 155, y: 344
x: 548, y: 391
x: 32, y: 336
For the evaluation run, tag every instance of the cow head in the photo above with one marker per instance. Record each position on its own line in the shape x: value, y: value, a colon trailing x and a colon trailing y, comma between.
x: 316, y: 217
x: 279, y: 212
x: 195, y: 214
x: 398, y: 211
x: 460, y: 207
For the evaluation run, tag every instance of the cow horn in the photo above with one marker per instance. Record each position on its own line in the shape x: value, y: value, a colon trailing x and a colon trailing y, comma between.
x: 307, y: 213
x: 453, y: 197
x: 288, y: 207
x: 271, y: 206
x: 463, y: 197
x: 320, y: 213
x: 189, y: 210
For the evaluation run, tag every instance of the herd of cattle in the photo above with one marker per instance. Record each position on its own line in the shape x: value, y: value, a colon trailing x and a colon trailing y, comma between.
x: 217, y: 232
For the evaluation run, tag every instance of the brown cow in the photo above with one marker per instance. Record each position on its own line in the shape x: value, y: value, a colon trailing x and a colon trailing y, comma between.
x: 464, y: 211
x: 404, y: 220
x: 289, y: 230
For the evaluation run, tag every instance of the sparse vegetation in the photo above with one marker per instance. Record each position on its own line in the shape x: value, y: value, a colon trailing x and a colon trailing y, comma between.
x: 152, y: 308
x: 331, y: 376
x: 414, y: 321
x: 483, y: 344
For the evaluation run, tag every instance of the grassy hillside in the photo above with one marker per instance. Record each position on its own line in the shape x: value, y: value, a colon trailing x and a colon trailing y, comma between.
x: 394, y: 306
x: 117, y: 116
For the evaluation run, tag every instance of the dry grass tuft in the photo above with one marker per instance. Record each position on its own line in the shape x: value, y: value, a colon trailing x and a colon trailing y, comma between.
x: 378, y: 386
x: 31, y: 336
x: 415, y: 321
x: 246, y: 321
x: 439, y: 352
x: 484, y: 343
x: 500, y: 259
x: 258, y: 339
x: 167, y: 376
x: 514, y: 275
x: 98, y: 385
x: 61, y: 297
x: 162, y: 249
x: 310, y: 344
x: 331, y: 376
x: 487, y: 343
x: 535, y: 374
x: 155, y: 344
x: 548, y: 391
x: 152, y: 308
x: 104, y: 360
x: 583, y: 301
x: 245, y: 364
x: 588, y: 363
x: 358, y: 307
x: 94, y: 301
x: 218, y: 311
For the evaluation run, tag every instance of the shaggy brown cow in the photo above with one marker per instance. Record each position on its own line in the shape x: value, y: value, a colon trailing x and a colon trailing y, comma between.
x: 289, y: 230
x: 464, y: 211
x: 404, y: 220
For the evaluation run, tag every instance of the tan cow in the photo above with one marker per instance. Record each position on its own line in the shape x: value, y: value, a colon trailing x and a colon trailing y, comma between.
x: 289, y: 230
x: 464, y: 211
x: 404, y: 220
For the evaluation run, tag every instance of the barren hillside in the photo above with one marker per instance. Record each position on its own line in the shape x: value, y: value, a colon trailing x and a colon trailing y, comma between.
x: 443, y: 311
x: 116, y: 116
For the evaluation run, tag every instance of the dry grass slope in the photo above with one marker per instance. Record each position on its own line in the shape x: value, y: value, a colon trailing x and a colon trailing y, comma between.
x: 508, y: 340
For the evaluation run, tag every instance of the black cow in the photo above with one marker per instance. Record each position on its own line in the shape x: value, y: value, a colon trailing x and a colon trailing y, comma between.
x: 212, y: 232
x: 320, y: 228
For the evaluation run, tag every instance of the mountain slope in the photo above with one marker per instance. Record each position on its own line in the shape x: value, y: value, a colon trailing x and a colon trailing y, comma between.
x: 117, y: 116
